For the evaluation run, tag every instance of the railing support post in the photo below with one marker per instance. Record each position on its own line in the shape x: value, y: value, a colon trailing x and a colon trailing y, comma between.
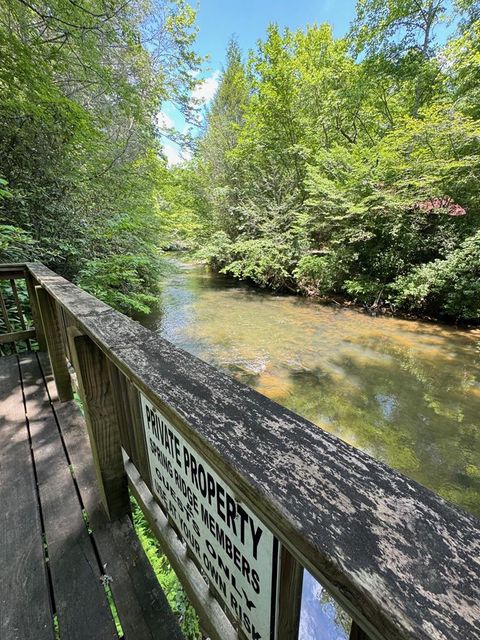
x: 100, y: 400
x: 56, y: 353
x: 132, y: 435
x: 289, y: 596
x: 36, y: 317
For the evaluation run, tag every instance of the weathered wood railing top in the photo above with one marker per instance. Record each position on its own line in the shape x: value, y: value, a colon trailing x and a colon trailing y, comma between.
x: 403, y: 562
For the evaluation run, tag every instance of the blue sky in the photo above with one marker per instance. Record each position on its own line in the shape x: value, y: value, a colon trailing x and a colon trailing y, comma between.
x: 248, y: 20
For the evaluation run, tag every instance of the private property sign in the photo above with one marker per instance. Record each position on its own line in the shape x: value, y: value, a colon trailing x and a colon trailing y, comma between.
x: 235, y: 549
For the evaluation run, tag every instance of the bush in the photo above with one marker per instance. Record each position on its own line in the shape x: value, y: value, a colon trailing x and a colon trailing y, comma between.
x: 121, y: 282
x: 16, y: 245
x: 217, y: 252
x: 265, y: 262
x: 317, y: 275
x: 450, y: 286
x: 364, y: 289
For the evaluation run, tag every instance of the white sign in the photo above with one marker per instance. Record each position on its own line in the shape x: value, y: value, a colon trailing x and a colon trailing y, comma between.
x: 237, y: 552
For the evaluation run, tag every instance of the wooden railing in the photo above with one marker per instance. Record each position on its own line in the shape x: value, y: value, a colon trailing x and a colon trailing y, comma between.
x: 244, y: 494
x: 13, y: 321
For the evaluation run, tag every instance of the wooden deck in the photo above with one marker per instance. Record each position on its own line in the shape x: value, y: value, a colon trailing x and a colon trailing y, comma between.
x: 62, y: 560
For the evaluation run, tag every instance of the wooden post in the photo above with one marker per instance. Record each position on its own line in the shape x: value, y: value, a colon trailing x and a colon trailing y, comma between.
x: 130, y: 424
x: 141, y: 453
x: 56, y: 353
x: 100, y: 399
x: 357, y: 633
x: 6, y: 321
x: 20, y: 314
x: 124, y: 420
x: 37, y: 320
x: 289, y: 596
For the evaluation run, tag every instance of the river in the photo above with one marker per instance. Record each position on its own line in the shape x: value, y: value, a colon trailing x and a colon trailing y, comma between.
x: 407, y: 392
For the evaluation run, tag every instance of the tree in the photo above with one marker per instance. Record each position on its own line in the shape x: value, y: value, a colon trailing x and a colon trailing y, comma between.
x: 81, y: 85
x: 224, y: 122
x: 463, y: 55
x: 401, y: 34
x: 357, y: 175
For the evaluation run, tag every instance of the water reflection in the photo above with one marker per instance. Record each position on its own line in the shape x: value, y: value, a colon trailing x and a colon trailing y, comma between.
x: 406, y: 392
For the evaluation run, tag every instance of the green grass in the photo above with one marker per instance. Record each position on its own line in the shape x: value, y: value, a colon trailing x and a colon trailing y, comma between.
x: 166, y: 576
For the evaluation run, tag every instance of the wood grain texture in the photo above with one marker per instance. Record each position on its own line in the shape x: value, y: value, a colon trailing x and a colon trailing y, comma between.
x: 12, y: 269
x: 213, y: 620
x: 141, y: 455
x: 16, y: 336
x: 141, y: 604
x: 132, y: 433
x: 404, y: 563
x: 100, y: 403
x: 356, y: 633
x: 119, y: 383
x: 25, y: 608
x: 51, y: 331
x: 81, y: 603
x: 289, y: 596
x: 13, y: 273
x: 37, y: 320
x: 64, y: 333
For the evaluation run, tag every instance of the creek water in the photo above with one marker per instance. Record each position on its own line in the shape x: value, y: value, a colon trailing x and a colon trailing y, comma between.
x: 407, y: 392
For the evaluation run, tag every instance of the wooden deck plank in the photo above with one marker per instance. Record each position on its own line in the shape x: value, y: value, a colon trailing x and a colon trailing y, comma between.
x: 143, y: 608
x: 81, y: 604
x: 141, y: 604
x: 25, y: 609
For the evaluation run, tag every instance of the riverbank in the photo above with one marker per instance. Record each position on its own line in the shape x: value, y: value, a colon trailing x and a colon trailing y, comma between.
x: 378, y: 308
x: 386, y: 310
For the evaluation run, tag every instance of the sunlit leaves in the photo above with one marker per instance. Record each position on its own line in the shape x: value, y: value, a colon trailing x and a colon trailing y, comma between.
x: 354, y: 175
x: 81, y: 85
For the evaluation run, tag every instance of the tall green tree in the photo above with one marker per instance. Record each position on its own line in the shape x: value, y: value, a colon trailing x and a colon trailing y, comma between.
x: 81, y: 84
x: 400, y: 36
x: 224, y: 121
x: 357, y: 175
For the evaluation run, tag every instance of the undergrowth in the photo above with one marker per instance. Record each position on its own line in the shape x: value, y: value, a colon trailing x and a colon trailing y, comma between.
x: 167, y: 578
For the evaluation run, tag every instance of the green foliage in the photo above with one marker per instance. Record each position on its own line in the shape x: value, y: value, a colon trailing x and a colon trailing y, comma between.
x: 452, y: 285
x: 120, y: 281
x: 16, y: 245
x: 463, y: 55
x: 264, y: 261
x: 185, y: 210
x: 225, y: 119
x: 169, y: 582
x: 217, y: 251
x: 81, y: 85
x: 351, y: 175
x: 4, y: 191
x: 317, y: 275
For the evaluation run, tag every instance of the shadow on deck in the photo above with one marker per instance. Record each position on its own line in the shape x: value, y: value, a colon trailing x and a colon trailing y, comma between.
x: 67, y: 571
